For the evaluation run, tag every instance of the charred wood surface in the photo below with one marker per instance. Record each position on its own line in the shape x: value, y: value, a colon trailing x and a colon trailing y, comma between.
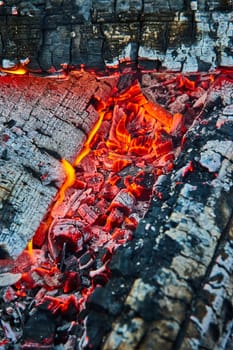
x: 174, y: 278
x: 179, y: 35
x: 41, y: 122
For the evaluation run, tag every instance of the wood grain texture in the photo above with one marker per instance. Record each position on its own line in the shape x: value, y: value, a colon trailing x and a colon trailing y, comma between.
x: 176, y: 35
x: 41, y: 121
x: 174, y: 278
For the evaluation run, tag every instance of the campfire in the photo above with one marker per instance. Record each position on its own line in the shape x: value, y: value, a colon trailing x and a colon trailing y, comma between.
x: 116, y: 171
x: 107, y: 193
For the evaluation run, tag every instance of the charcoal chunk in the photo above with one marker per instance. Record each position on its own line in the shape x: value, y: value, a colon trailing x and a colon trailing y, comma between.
x: 103, y: 299
x: 40, y: 328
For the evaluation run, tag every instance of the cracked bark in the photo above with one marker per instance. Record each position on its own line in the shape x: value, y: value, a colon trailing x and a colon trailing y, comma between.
x: 173, y: 35
x: 41, y: 121
x: 175, y: 277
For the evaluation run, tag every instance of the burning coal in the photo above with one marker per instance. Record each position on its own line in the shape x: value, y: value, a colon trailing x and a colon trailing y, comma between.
x: 106, y: 193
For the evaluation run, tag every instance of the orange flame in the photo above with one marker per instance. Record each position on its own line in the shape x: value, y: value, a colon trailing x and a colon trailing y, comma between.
x: 30, y: 247
x: 70, y: 180
x: 183, y: 81
x: 18, y: 69
x: 86, y: 147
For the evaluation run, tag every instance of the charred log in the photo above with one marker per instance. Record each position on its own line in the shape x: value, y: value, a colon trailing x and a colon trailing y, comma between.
x: 177, y: 35
x: 41, y: 121
x: 174, y: 278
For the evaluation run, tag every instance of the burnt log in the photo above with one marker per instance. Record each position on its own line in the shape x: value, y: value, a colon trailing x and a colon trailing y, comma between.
x: 41, y: 121
x: 171, y: 286
x: 176, y: 35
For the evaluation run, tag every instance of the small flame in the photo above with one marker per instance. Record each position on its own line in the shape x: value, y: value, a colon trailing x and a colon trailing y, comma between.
x: 183, y: 81
x: 30, y: 247
x: 19, y: 69
x: 70, y: 180
x: 87, y: 145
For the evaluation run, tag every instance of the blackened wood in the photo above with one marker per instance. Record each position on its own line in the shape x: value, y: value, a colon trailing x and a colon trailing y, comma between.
x: 41, y: 121
x: 171, y: 286
x: 178, y: 35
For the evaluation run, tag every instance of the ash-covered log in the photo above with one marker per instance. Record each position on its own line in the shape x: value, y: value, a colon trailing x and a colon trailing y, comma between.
x: 42, y: 121
x: 171, y: 286
x: 176, y: 35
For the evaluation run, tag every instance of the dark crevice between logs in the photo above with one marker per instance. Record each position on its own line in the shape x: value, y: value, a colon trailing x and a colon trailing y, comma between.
x: 36, y: 174
x: 7, y: 214
x: 50, y: 152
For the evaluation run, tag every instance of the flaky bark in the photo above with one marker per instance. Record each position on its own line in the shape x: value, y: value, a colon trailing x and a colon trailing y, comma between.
x: 178, y: 35
x: 175, y: 278
x: 41, y: 121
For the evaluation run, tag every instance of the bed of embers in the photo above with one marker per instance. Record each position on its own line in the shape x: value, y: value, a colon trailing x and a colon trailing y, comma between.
x: 106, y: 193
